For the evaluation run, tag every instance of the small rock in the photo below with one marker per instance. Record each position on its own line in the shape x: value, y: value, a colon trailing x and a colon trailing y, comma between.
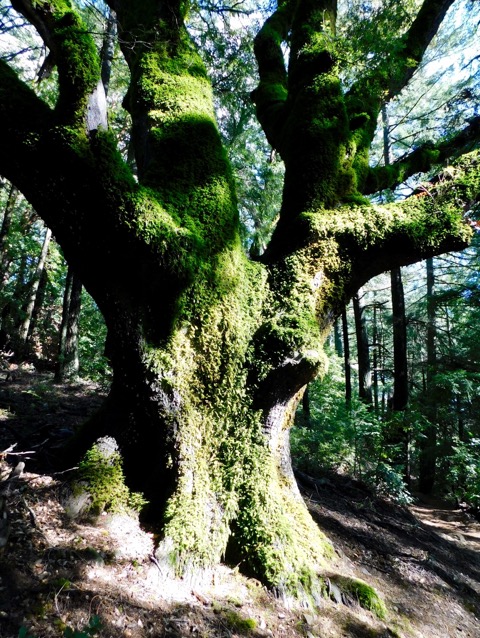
x: 77, y: 504
x: 309, y: 619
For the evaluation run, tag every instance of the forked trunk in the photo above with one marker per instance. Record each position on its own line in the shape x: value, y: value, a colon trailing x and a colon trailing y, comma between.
x: 205, y: 437
x: 210, y: 352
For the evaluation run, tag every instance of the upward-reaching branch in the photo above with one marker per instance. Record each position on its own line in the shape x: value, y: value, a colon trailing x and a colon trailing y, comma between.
x: 404, y: 58
x: 415, y: 42
x: 386, y: 79
x: 271, y: 94
x: 76, y: 57
x: 423, y: 158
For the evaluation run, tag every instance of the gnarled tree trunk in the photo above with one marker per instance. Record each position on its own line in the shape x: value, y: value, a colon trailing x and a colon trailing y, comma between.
x: 210, y: 351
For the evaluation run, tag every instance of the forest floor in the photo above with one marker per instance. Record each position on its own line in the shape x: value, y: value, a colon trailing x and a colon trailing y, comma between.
x: 99, y: 578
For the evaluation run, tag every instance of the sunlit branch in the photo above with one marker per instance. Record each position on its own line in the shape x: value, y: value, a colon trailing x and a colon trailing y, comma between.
x: 423, y: 158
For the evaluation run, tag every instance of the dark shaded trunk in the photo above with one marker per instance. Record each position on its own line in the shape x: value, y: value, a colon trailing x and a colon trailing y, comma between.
x: 67, y: 360
x: 346, y: 359
x: 306, y: 410
x: 108, y: 49
x: 400, y: 362
x: 376, y: 357
x: 399, y: 433
x: 337, y: 338
x: 428, y: 444
x: 5, y: 256
x: 24, y: 328
x: 363, y: 352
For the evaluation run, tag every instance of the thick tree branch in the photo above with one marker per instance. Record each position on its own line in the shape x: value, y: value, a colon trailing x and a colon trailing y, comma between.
x: 76, y: 57
x: 271, y: 94
x: 78, y: 183
x: 370, y: 240
x: 416, y: 41
x: 24, y: 116
x: 21, y: 111
x: 326, y: 256
x: 423, y: 159
x: 29, y: 11
x: 398, y: 67
x: 386, y: 79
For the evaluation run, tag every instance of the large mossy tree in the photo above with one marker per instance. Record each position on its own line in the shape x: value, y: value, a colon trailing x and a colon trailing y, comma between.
x: 210, y: 350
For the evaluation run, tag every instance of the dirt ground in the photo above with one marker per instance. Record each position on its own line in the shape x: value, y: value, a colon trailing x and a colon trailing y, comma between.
x: 100, y: 578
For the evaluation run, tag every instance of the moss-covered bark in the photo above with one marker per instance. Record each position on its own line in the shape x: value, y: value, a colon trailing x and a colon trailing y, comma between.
x: 210, y: 352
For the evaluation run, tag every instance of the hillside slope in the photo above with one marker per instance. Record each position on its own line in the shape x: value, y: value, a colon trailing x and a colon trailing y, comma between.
x: 57, y: 573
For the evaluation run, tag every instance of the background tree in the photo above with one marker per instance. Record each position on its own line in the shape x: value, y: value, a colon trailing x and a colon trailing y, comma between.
x: 210, y: 350
x: 363, y: 352
x: 388, y: 449
x: 68, y: 363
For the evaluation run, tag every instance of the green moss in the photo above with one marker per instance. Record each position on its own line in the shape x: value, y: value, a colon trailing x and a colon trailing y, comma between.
x: 363, y: 594
x: 204, y: 364
x: 229, y: 483
x: 238, y: 623
x: 271, y: 94
x: 317, y: 119
x: 279, y: 541
x: 186, y: 165
x: 77, y: 60
x: 100, y: 474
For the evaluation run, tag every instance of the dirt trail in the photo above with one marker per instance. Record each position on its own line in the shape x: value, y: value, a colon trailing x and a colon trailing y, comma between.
x: 452, y: 523
x: 429, y: 577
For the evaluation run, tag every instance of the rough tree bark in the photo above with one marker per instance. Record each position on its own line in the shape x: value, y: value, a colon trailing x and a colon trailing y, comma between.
x: 24, y: 328
x: 428, y: 444
x: 210, y: 351
x: 363, y: 351
x: 68, y: 364
x: 5, y: 257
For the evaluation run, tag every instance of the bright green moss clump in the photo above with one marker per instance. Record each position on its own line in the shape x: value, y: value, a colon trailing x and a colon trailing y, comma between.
x: 101, y: 476
x: 363, y: 594
x: 77, y: 59
x: 239, y: 624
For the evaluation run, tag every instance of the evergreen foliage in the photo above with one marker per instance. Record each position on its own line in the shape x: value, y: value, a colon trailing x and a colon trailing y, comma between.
x: 356, y: 438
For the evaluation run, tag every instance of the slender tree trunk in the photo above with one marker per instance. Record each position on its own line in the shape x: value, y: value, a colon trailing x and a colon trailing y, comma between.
x: 108, y: 49
x: 337, y: 338
x: 399, y: 434
x: 386, y: 135
x: 32, y: 296
x: 5, y: 256
x: 39, y: 303
x: 306, y: 407
x: 428, y: 444
x: 364, y: 371
x: 346, y: 359
x: 400, y: 363
x: 67, y: 361
x: 376, y: 357
x: 400, y: 367
x: 458, y: 396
